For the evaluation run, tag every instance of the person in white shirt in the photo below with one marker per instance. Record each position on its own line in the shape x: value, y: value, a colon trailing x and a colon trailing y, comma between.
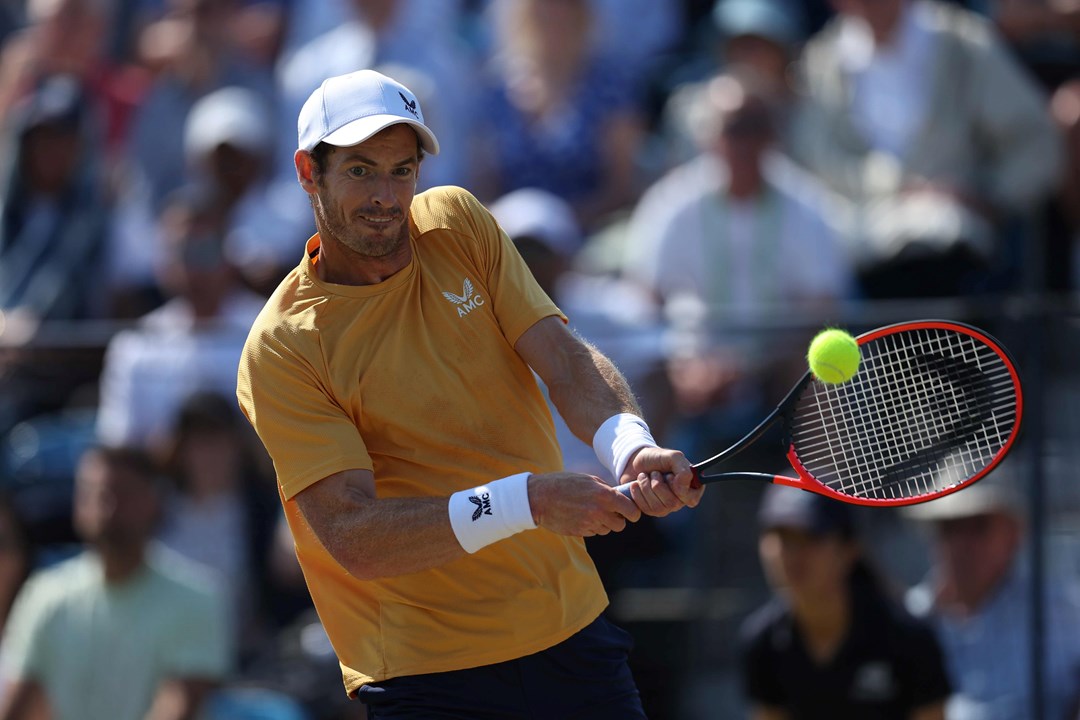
x: 918, y: 113
x: 191, y: 343
x: 729, y: 240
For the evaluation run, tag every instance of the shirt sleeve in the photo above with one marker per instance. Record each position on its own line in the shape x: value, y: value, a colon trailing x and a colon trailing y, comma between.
x: 307, y: 434
x: 519, y: 301
x: 24, y: 649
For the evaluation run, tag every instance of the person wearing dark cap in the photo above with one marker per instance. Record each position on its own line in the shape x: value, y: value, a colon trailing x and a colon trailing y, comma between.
x: 832, y: 643
x: 390, y: 377
x: 762, y: 37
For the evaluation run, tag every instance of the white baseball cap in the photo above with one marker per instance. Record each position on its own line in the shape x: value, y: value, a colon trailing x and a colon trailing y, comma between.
x: 535, y: 213
x: 348, y: 109
x: 232, y: 115
x: 999, y: 491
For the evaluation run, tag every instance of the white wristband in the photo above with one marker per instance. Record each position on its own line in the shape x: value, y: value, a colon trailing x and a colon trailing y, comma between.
x: 619, y: 437
x: 491, y: 512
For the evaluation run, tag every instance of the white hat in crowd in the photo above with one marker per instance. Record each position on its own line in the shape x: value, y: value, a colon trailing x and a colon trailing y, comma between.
x: 540, y: 215
x: 1002, y: 490
x: 233, y: 116
x: 348, y: 109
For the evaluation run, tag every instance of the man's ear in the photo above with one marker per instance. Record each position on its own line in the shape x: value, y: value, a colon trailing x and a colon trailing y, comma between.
x: 305, y: 171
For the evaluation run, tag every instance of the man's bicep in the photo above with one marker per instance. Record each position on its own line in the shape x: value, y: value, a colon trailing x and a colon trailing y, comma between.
x: 307, y: 431
x: 549, y: 347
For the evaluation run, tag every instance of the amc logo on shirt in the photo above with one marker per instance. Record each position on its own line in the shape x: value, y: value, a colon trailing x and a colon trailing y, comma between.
x: 467, y: 301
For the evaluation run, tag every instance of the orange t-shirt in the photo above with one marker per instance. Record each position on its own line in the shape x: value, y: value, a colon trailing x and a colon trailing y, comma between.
x: 416, y: 378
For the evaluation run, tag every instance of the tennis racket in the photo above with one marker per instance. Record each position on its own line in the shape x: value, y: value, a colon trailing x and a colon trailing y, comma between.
x: 934, y: 406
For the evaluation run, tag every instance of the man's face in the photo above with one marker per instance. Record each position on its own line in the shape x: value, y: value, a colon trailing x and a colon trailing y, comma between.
x: 234, y: 168
x: 804, y: 565
x: 975, y: 552
x: 363, y: 193
x: 766, y: 56
x: 113, y: 505
x: 745, y: 136
x: 196, y: 268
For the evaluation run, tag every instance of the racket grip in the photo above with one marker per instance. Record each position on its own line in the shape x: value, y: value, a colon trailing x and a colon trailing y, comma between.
x: 625, y: 487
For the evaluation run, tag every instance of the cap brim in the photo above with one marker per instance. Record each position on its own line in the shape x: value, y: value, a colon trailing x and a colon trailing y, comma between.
x: 360, y: 130
x: 966, y: 502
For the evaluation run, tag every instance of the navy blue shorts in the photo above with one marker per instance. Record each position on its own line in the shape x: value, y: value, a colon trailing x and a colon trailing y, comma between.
x: 586, y: 676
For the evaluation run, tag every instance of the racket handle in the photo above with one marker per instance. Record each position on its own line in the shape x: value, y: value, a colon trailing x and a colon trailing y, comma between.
x: 625, y: 487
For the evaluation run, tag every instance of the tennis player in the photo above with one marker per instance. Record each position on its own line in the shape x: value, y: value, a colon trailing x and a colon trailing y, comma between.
x: 389, y: 378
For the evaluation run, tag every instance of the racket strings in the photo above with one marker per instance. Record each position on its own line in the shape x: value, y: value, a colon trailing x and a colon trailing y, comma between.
x: 929, y: 409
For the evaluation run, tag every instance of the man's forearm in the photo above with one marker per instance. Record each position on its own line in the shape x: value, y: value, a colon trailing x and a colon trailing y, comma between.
x: 591, y: 391
x: 373, y: 538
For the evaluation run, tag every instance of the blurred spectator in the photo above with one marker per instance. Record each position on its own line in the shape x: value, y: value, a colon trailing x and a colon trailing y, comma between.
x: 640, y: 32
x: 70, y: 37
x: 119, y: 632
x: 222, y: 510
x: 1063, y: 255
x: 192, y: 53
x: 977, y: 596
x: 228, y: 148
x: 312, y: 18
x: 192, y: 342
x: 557, y: 114
x: 735, y: 235
x: 832, y: 643
x: 229, y: 143
x: 53, y: 207
x: 258, y: 29
x: 764, y: 35
x: 917, y: 112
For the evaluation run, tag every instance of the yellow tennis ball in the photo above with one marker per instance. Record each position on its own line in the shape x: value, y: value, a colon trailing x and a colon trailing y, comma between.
x: 833, y: 356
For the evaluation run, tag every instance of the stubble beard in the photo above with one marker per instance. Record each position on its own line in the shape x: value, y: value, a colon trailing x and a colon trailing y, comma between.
x: 335, y: 227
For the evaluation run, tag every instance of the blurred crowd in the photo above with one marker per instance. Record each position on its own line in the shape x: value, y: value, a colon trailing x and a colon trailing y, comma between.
x: 677, y: 173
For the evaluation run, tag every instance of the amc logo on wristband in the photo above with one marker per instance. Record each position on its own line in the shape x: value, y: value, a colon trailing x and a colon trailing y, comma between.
x: 510, y: 495
x: 482, y: 503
